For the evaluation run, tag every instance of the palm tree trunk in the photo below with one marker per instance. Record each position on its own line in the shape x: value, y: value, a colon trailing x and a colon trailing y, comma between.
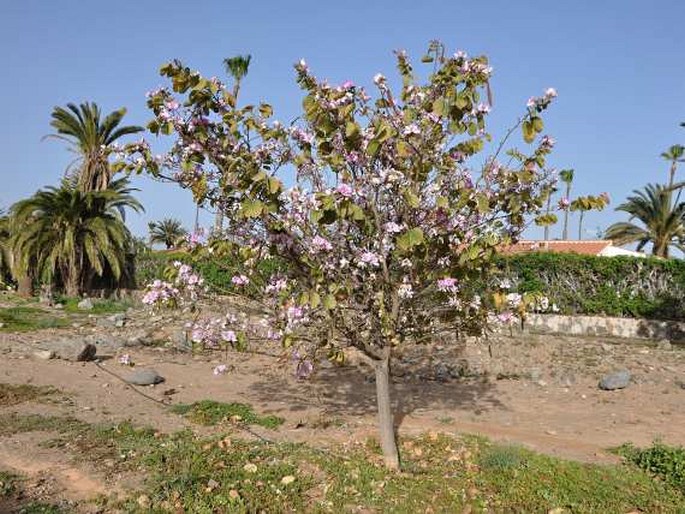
x: 549, y: 206
x: 580, y: 225
x: 672, y: 174
x: 564, y: 234
x: 25, y: 285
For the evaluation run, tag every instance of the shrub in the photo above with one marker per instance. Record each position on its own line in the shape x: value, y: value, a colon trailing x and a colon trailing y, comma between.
x: 663, y: 461
x: 612, y: 286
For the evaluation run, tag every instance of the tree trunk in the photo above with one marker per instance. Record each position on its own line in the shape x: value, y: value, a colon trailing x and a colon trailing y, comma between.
x: 580, y: 226
x: 386, y: 424
x: 549, y: 207
x: 564, y: 234
x: 218, y: 222
x: 25, y: 286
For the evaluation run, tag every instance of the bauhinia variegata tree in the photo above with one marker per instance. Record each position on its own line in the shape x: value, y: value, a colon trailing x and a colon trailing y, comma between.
x: 392, y: 217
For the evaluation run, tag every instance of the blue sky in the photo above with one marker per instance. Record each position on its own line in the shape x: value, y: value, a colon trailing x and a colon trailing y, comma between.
x: 617, y: 65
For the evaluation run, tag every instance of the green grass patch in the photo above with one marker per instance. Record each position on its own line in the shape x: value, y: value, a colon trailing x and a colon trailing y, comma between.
x: 14, y: 423
x: 661, y: 460
x: 189, y: 473
x: 9, y: 483
x: 23, y: 319
x: 100, y: 306
x: 14, y: 394
x: 209, y: 412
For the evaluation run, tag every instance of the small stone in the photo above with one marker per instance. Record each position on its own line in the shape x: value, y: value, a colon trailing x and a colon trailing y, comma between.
x: 45, y: 355
x: 550, y: 432
x: 143, y: 501
x: 58, y: 306
x: 606, y: 347
x: 250, y: 468
x: 2, y: 325
x: 85, y: 305
x: 145, y: 377
x: 613, y: 381
x: 288, y: 479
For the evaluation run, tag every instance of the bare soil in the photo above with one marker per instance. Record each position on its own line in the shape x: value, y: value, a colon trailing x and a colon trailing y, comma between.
x: 537, y: 391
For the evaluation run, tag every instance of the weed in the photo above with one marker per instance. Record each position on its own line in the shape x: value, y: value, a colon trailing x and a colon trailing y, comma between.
x: 209, y: 412
x: 14, y: 394
x: 22, y: 319
x: 100, y: 306
x: 663, y: 461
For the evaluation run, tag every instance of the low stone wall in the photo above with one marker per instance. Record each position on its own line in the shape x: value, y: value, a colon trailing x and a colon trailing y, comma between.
x: 629, y: 328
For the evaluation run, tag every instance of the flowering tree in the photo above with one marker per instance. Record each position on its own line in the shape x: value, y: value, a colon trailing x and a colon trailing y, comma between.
x: 387, y: 231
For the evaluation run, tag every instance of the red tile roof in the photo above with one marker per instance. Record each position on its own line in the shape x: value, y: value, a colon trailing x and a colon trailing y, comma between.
x: 579, y: 247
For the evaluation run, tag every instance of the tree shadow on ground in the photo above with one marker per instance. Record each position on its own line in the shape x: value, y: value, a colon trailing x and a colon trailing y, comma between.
x: 351, y: 391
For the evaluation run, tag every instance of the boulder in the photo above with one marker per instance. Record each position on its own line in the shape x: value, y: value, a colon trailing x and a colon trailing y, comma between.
x: 115, y: 321
x: 75, y: 350
x: 45, y: 355
x: 85, y: 305
x: 613, y: 381
x: 145, y: 377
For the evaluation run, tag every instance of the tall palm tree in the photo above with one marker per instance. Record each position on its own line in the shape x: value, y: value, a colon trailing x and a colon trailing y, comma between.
x: 237, y: 68
x: 663, y: 221
x: 91, y: 138
x: 674, y: 155
x: 169, y: 232
x: 566, y: 176
x: 71, y: 235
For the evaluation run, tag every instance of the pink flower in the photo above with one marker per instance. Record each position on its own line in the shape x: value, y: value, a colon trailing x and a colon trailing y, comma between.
x: 378, y: 79
x: 229, y: 336
x: 125, y: 360
x: 345, y: 190
x: 564, y: 203
x: 304, y: 369
x: 220, y: 369
x: 550, y: 93
x: 348, y: 84
x: 321, y: 244
x: 369, y: 259
x: 240, y: 280
x: 447, y: 285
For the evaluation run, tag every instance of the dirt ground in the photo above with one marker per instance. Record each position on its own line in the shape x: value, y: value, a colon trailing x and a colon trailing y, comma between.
x: 537, y: 391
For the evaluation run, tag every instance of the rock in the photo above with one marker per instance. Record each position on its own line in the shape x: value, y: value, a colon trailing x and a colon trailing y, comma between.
x: 606, y: 347
x: 145, y: 377
x: 535, y: 375
x: 442, y: 372
x: 2, y: 325
x: 58, y: 306
x: 45, y: 355
x: 613, y: 381
x: 85, y: 305
x: 116, y: 320
x: 664, y: 344
x: 75, y: 350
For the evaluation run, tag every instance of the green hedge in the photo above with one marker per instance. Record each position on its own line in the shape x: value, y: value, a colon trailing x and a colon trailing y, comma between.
x: 577, y: 284
x: 612, y: 286
x: 217, y: 273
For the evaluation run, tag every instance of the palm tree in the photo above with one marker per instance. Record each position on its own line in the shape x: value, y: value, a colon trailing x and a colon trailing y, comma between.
x: 73, y: 235
x: 237, y: 68
x: 663, y: 221
x: 674, y: 155
x: 91, y: 139
x: 169, y: 232
x: 5, y: 254
x: 566, y: 177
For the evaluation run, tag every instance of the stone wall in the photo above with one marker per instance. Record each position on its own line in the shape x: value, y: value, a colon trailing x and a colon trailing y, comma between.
x: 604, y: 326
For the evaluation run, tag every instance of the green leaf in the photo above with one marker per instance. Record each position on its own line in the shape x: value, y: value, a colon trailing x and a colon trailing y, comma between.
x: 314, y: 299
x: 329, y: 302
x: 538, y: 125
x: 252, y: 208
x: 352, y: 130
x: 528, y: 131
x: 274, y: 185
x: 411, y: 238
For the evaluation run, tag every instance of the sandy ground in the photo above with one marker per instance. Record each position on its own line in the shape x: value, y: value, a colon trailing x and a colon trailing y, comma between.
x: 537, y: 391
